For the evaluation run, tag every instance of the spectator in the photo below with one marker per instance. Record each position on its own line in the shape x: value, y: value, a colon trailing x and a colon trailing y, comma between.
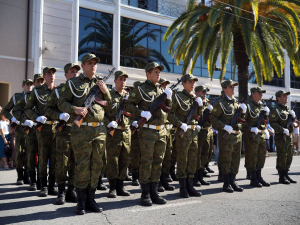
x: 271, y: 139
x: 216, y: 146
x: 267, y: 141
x: 4, y: 126
x: 296, y: 137
x: 12, y: 140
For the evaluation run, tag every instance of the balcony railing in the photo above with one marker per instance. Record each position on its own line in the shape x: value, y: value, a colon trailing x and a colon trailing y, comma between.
x: 159, y: 6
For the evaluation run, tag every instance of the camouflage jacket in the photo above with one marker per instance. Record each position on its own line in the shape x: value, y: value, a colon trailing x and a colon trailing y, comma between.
x: 18, y: 109
x: 12, y: 102
x: 201, y: 110
x: 52, y: 110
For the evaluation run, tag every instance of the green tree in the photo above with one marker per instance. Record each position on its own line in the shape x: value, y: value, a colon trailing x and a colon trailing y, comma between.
x: 254, y: 30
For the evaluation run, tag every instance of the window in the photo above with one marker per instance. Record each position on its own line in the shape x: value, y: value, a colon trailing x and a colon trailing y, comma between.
x: 295, y: 81
x: 95, y: 35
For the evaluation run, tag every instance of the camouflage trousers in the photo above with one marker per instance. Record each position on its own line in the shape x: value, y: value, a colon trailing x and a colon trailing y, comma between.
x: 284, y: 152
x: 46, y: 149
x: 104, y: 160
x: 118, y: 150
x: 204, y: 147
x: 174, y: 149
x: 166, y: 165
x: 89, y: 145
x: 187, y: 148
x: 229, y: 153
x: 255, y: 151
x: 153, y: 148
x: 135, y: 153
x: 65, y: 162
x: 20, y: 146
x: 32, y: 150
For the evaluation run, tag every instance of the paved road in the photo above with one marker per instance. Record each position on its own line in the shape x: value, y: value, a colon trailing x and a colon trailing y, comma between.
x: 278, y: 204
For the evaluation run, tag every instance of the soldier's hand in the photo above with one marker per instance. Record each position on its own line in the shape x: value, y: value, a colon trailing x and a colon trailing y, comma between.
x: 168, y: 92
x: 184, y: 127
x: 286, y: 132
x: 135, y: 124
x: 228, y: 128
x: 198, y: 128
x: 244, y: 108
x: 29, y: 123
x: 146, y: 114
x: 267, y: 110
x: 15, y: 120
x: 64, y: 116
x: 292, y: 112
x: 210, y: 107
x: 81, y: 111
x: 112, y: 124
x: 199, y: 101
x: 102, y: 86
x: 41, y: 119
x: 254, y: 130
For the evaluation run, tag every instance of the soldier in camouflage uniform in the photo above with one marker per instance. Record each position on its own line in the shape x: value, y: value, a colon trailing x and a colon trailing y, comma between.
x: 30, y: 138
x: 255, y: 149
x: 64, y: 162
x: 152, y: 135
x: 20, y: 136
x: 230, y: 149
x: 183, y: 103
x: 278, y: 118
x: 35, y: 111
x: 89, y: 140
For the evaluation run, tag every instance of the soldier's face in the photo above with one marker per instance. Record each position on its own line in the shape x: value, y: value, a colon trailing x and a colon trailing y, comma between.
x: 189, y: 85
x: 49, y: 76
x: 283, y: 99
x: 90, y: 67
x: 120, y: 83
x: 164, y: 85
x: 199, y: 93
x: 229, y: 90
x: 73, y: 72
x: 39, y: 82
x: 154, y: 76
x: 27, y: 87
x: 257, y: 96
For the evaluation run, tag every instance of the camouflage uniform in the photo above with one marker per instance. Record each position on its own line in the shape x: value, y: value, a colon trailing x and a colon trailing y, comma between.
x: 166, y: 165
x: 135, y: 153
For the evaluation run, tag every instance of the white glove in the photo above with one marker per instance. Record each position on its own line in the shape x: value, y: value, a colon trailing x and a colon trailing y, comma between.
x: 135, y: 124
x: 228, y: 128
x: 64, y: 116
x: 286, y: 132
x: 199, y: 101
x: 29, y: 123
x: 126, y: 97
x: 210, y: 107
x: 292, y: 112
x: 267, y: 110
x: 112, y: 124
x: 41, y: 119
x: 15, y: 120
x: 198, y: 128
x: 146, y: 114
x: 168, y: 92
x: 184, y: 127
x: 254, y: 130
x: 244, y: 108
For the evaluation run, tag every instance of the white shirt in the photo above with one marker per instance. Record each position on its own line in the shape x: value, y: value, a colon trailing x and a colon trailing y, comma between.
x: 296, y: 130
x: 267, y: 134
x: 4, y: 127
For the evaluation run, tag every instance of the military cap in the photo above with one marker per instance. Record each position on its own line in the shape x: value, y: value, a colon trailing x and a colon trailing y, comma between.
x: 70, y: 66
x: 88, y: 57
x: 257, y: 89
x: 281, y: 92
x: 46, y: 69
x: 163, y: 80
x: 38, y: 76
x: 187, y: 77
x: 120, y: 73
x: 153, y: 65
x: 201, y: 88
x: 26, y: 81
x: 227, y: 83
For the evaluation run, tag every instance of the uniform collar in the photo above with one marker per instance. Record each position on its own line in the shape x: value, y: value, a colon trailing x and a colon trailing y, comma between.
x: 82, y: 76
x: 118, y: 92
x: 187, y: 93
x: 151, y: 83
x: 255, y: 102
x: 282, y: 105
x: 45, y: 86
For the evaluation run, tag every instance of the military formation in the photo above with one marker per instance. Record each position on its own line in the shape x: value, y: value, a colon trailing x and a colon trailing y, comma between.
x: 74, y: 134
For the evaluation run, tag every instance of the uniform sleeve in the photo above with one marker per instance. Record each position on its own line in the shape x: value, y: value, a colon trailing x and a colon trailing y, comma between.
x: 132, y: 102
x: 28, y: 109
x: 8, y: 108
x: 18, y: 110
x: 106, y: 97
x: 172, y: 115
x: 246, y: 127
x: 51, y: 108
x: 214, y: 117
x: 64, y: 102
x: 274, y: 117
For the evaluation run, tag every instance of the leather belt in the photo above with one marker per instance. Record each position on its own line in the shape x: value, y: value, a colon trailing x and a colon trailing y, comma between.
x: 235, y: 132
x: 122, y: 127
x: 92, y: 124
x: 51, y: 122
x: 154, y: 127
x: 68, y: 125
x: 169, y: 126
x: 191, y: 127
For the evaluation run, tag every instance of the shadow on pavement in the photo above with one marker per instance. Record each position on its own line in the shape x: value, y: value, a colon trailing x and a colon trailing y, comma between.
x: 26, y: 204
x: 15, y: 188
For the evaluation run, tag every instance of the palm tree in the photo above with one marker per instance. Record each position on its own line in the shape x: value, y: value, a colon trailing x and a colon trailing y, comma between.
x: 254, y: 30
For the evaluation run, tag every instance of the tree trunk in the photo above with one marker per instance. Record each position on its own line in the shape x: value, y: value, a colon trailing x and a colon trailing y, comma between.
x: 242, y: 61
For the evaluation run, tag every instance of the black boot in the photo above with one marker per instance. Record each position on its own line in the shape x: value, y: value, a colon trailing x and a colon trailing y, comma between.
x: 155, y: 196
x: 234, y: 184
x: 135, y: 179
x: 226, y: 186
x: 128, y: 178
x: 26, y: 177
x: 44, y: 189
x: 205, y: 173
x: 81, y: 197
x: 261, y: 180
x: 172, y: 173
x: 145, y: 197
x: 208, y: 169
x: 101, y: 186
x: 20, y: 179
x: 183, y: 191
x: 90, y: 201
x: 288, y: 178
x: 220, y: 176
x: 52, y: 189
x: 164, y: 182
x: 191, y: 190
x: 112, y: 188
x: 248, y: 176
x: 120, y: 189
x: 200, y: 177
x: 254, y: 182
x: 282, y: 178
x: 71, y: 195
x: 169, y: 178
x: 32, y: 181
x: 61, y: 197
x: 160, y: 188
x: 196, y: 182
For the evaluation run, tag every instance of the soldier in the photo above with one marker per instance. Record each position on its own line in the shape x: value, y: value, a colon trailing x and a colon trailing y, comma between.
x: 118, y: 145
x: 205, y: 137
x: 152, y: 135
x: 284, y: 147
x: 35, y: 111
x: 89, y: 140
x: 255, y: 149
x: 64, y: 158
x: 30, y: 138
x: 183, y: 103
x: 20, y: 136
x: 230, y: 149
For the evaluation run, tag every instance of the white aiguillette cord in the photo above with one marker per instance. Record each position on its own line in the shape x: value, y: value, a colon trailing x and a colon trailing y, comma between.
x: 71, y: 88
x: 188, y: 106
